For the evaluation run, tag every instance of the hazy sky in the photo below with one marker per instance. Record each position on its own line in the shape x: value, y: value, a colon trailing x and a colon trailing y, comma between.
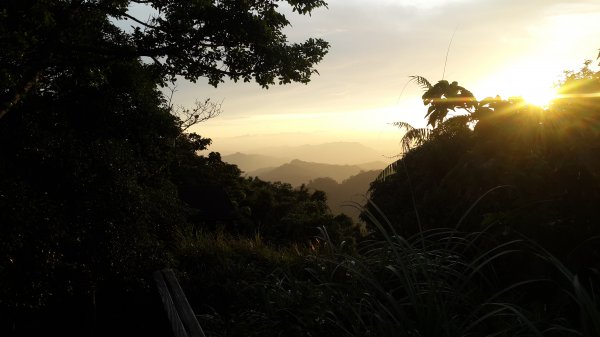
x: 505, y: 47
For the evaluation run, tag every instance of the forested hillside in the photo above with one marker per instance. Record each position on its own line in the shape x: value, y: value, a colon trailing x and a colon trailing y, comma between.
x: 347, y: 196
x: 504, y: 164
x: 486, y: 226
x: 298, y: 172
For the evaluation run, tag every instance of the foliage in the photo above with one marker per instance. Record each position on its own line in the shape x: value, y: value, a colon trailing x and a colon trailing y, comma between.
x: 284, y: 215
x: 241, y: 40
x: 530, y: 170
x: 443, y: 97
x: 96, y: 174
x: 249, y: 288
x: 87, y: 202
x: 100, y: 186
x: 437, y: 282
x: 413, y: 136
x: 451, y: 283
x: 509, y: 169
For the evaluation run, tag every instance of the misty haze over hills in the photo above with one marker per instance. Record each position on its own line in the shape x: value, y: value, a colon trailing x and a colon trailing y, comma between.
x: 328, y: 153
x: 345, y: 184
x: 339, y: 153
x: 253, y: 162
x: 349, y: 195
x: 298, y: 172
x: 298, y: 165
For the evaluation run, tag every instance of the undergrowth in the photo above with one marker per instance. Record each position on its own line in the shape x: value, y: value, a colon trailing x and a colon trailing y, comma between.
x: 439, y: 282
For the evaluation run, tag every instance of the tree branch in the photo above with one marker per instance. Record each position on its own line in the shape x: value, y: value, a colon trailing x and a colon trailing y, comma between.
x: 145, y: 24
x: 20, y: 93
x: 204, y: 110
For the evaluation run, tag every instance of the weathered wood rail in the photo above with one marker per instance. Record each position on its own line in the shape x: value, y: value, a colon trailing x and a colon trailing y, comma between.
x: 180, y: 313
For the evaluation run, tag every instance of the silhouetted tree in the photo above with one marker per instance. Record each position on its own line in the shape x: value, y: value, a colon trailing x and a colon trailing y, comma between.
x: 93, y: 165
x: 522, y: 168
x: 241, y: 40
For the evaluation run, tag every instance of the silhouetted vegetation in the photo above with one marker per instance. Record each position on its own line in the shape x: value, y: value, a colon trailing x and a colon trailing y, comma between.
x: 523, y: 169
x: 487, y: 225
x: 511, y: 171
x: 96, y: 176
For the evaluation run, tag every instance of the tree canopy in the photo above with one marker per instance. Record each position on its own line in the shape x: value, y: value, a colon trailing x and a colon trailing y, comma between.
x: 97, y: 178
x: 240, y: 40
x: 503, y: 163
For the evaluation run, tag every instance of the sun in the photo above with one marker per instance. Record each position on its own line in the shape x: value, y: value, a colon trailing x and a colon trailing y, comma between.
x: 539, y: 96
x: 529, y: 78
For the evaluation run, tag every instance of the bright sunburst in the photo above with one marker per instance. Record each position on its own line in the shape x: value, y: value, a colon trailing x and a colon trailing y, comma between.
x: 540, y: 96
x: 529, y: 78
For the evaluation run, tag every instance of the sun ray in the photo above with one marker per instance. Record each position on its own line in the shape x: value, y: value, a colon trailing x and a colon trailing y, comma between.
x: 541, y: 96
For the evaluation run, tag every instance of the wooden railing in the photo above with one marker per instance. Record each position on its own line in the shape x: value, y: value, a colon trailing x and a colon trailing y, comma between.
x: 180, y: 313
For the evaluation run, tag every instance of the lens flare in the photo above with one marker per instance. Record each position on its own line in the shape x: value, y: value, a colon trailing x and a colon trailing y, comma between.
x: 539, y: 96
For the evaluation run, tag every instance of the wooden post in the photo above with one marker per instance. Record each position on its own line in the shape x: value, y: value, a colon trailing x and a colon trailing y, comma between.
x: 180, y: 313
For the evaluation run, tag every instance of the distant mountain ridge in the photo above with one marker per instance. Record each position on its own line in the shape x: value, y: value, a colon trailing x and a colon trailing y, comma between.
x: 253, y: 162
x: 349, y: 195
x: 343, y: 184
x: 337, y: 153
x: 298, y: 172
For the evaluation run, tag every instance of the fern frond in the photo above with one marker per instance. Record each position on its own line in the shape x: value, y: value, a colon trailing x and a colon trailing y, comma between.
x: 403, y: 125
x: 422, y: 81
x: 415, y: 137
x: 388, y: 171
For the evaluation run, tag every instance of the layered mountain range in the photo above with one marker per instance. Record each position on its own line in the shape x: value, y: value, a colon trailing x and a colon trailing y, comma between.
x: 346, y: 185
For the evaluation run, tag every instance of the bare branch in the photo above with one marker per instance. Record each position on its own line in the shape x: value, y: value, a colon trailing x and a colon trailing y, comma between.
x: 202, y: 111
x: 145, y: 24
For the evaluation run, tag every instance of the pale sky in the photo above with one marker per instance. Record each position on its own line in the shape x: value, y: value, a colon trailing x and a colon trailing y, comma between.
x: 504, y: 47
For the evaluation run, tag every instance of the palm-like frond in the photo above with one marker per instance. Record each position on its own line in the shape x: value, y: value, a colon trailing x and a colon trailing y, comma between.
x: 403, y: 125
x: 415, y: 137
x: 454, y: 124
x: 441, y: 98
x: 412, y: 137
x: 388, y: 171
x: 422, y: 81
x: 445, y: 96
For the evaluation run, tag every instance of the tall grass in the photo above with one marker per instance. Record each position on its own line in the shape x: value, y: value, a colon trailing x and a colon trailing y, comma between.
x: 246, y: 287
x: 443, y: 282
x: 438, y: 282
